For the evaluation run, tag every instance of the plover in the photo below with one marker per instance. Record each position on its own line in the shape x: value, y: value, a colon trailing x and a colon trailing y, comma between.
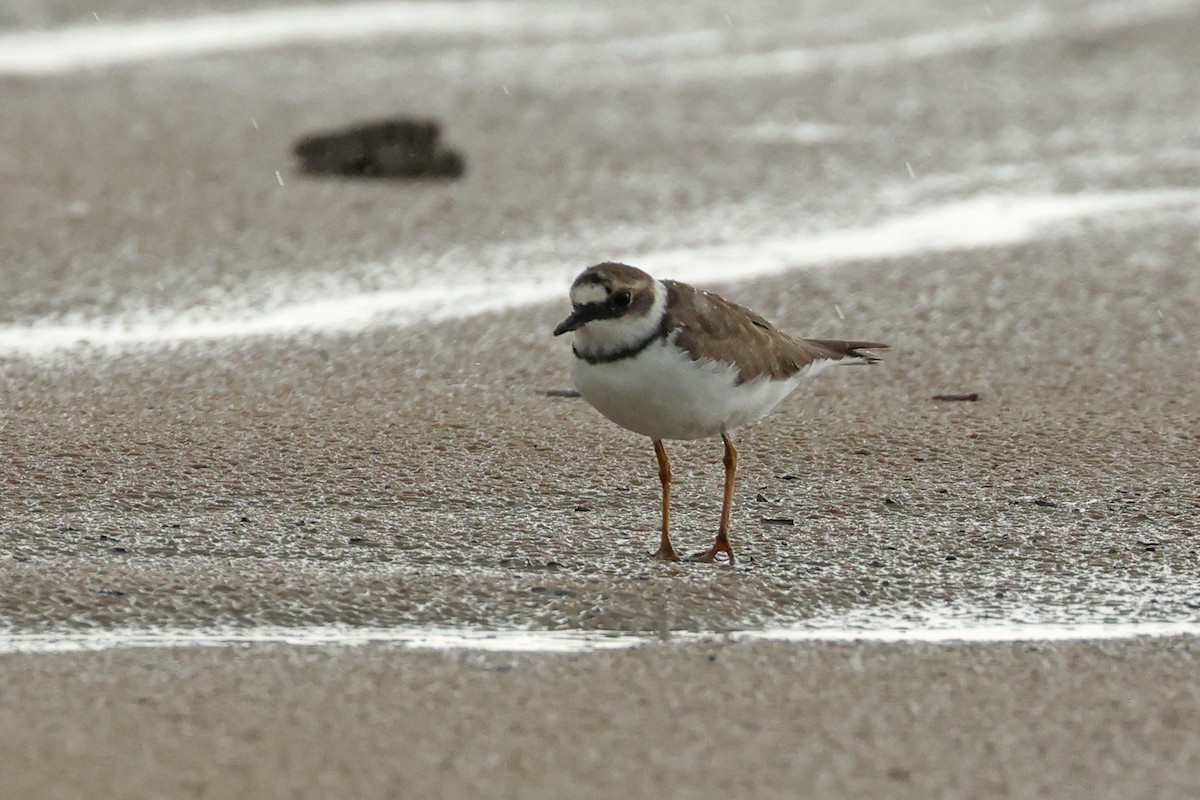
x: 669, y: 361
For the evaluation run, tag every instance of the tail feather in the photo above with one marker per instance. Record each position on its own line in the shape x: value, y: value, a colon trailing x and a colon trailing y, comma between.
x: 849, y: 352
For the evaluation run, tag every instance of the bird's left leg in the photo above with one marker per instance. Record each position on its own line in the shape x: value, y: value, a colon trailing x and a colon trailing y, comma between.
x: 721, y: 544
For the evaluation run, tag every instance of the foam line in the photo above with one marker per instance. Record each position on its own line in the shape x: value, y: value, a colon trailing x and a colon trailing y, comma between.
x: 578, y: 641
x: 315, y: 636
x: 982, y: 633
x: 980, y: 222
x: 64, y: 50
x: 1030, y: 26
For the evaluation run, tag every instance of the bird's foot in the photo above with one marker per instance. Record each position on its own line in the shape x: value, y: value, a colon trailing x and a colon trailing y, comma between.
x: 665, y: 553
x: 709, y: 556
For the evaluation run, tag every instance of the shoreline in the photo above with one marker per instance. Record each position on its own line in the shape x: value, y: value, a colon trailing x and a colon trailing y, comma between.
x: 449, y: 639
x: 976, y: 223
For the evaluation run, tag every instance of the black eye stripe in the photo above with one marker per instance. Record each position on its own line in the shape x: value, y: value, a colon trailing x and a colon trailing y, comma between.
x: 588, y: 312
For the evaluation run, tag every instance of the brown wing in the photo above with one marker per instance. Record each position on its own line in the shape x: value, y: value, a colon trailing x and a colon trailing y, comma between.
x: 712, y: 327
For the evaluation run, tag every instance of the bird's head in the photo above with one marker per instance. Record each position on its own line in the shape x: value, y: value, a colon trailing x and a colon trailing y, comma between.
x: 611, y: 300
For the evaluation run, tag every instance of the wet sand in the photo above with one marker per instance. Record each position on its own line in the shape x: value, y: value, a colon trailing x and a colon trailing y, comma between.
x: 361, y: 496
x: 420, y: 476
x: 1076, y: 720
x: 320, y: 482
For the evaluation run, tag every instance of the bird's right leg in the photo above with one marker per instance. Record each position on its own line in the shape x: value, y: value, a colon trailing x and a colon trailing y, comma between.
x: 665, y: 551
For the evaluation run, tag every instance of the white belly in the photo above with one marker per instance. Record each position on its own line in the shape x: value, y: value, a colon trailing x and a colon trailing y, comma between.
x: 663, y: 394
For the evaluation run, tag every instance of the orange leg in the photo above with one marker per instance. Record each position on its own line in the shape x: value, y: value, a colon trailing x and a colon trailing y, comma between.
x: 665, y: 551
x: 721, y: 544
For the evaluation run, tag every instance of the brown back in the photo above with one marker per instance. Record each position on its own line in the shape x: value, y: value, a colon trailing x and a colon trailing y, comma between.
x: 712, y: 327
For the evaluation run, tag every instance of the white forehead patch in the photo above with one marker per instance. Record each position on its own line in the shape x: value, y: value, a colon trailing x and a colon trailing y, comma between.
x: 589, y: 293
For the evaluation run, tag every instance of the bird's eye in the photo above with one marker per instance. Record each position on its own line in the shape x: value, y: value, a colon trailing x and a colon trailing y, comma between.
x: 622, y: 299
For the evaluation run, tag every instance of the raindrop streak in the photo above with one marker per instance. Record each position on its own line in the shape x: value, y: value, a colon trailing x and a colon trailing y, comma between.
x: 911, y: 174
x: 279, y: 177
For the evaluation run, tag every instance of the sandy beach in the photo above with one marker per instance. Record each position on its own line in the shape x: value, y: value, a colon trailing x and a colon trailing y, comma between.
x: 1074, y: 720
x: 411, y: 471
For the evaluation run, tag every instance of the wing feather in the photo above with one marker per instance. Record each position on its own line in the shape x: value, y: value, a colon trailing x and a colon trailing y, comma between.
x: 711, y: 327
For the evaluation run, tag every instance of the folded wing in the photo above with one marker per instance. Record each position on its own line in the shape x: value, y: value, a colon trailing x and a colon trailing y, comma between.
x: 711, y: 327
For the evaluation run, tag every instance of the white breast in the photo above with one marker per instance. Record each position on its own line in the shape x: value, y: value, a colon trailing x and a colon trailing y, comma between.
x: 662, y: 393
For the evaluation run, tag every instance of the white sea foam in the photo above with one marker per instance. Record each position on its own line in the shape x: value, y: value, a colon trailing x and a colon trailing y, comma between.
x: 980, y: 632
x: 980, y: 222
x: 443, y: 638
x: 688, y: 55
x: 63, y: 50
x: 315, y: 636
x: 995, y: 220
x: 350, y: 312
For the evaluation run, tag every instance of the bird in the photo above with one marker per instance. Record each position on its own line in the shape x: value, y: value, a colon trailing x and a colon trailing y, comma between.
x: 672, y: 362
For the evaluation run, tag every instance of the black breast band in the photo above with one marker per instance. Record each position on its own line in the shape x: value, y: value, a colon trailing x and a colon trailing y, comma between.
x: 627, y: 352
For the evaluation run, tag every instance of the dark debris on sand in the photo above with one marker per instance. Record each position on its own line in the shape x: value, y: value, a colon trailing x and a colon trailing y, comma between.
x: 398, y: 147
